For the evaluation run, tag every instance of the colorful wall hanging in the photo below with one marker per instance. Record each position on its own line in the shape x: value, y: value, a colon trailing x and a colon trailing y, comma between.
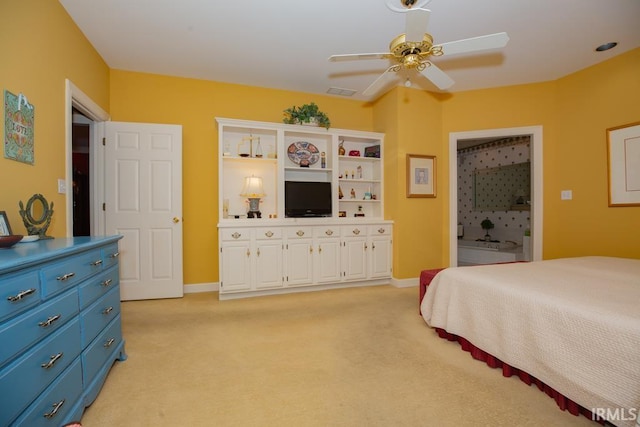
x: 18, y: 128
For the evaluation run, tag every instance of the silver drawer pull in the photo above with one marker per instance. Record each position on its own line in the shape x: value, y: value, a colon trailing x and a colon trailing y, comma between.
x: 52, y: 361
x: 356, y: 231
x: 65, y: 276
x: 269, y: 234
x: 114, y: 255
x: 56, y: 408
x: 109, y: 342
x: 329, y: 232
x: 236, y: 235
x: 107, y: 310
x: 21, y: 295
x: 300, y: 233
x: 106, y: 282
x: 96, y: 263
x: 49, y: 321
x: 381, y: 230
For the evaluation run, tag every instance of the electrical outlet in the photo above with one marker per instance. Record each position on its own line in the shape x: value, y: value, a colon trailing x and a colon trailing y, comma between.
x: 566, y: 195
x: 62, y: 186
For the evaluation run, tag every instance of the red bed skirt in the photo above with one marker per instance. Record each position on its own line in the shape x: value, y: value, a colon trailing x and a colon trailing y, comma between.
x: 563, y: 402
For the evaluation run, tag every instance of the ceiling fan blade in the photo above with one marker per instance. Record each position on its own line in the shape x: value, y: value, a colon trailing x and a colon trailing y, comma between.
x: 351, y: 57
x: 417, y: 21
x: 379, y: 82
x: 491, y: 41
x: 437, y: 77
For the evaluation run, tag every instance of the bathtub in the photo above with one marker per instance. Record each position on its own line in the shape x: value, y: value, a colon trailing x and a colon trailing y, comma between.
x: 474, y: 252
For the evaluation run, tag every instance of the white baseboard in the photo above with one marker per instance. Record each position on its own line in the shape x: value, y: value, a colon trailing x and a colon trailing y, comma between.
x: 200, y: 287
x: 405, y: 283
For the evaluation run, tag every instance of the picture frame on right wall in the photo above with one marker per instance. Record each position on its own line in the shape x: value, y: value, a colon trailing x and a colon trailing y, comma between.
x: 421, y: 175
x: 623, y: 153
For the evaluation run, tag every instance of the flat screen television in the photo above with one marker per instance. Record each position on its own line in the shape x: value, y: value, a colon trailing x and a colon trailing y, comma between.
x: 307, y: 199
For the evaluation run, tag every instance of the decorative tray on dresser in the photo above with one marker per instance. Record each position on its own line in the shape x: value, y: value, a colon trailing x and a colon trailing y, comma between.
x: 60, y: 330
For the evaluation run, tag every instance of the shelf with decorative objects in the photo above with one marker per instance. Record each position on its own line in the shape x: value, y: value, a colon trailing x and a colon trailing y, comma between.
x: 315, y: 192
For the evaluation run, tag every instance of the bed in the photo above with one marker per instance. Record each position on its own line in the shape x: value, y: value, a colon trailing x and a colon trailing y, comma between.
x: 571, y: 325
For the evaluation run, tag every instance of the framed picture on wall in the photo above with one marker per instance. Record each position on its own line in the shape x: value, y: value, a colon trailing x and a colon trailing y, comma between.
x: 623, y: 149
x: 5, y: 228
x: 421, y: 175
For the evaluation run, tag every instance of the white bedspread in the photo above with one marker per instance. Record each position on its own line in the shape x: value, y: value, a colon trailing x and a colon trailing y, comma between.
x: 573, y: 323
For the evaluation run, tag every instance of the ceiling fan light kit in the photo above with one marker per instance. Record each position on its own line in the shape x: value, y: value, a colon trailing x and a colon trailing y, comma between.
x: 413, y: 49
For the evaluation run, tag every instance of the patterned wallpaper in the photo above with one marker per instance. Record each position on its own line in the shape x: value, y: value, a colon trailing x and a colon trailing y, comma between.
x: 509, y: 225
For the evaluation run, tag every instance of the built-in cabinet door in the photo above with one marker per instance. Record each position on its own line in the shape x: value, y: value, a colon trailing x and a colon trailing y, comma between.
x: 354, y: 259
x: 299, y: 262
x: 380, y: 256
x: 327, y: 260
x: 268, y: 256
x: 236, y: 266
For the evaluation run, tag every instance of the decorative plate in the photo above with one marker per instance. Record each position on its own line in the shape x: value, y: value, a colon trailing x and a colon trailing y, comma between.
x: 8, y: 241
x: 303, y: 151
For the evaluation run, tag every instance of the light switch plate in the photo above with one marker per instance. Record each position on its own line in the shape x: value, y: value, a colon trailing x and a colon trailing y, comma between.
x: 566, y: 195
x: 62, y: 186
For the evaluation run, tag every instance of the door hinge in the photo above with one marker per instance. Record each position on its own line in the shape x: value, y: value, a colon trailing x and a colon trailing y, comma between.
x: 104, y: 141
x: 104, y: 206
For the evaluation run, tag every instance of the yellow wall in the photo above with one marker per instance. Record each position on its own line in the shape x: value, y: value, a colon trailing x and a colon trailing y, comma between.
x: 574, y: 111
x: 41, y: 47
x: 194, y: 104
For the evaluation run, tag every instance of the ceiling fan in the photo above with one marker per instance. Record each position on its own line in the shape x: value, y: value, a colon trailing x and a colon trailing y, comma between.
x: 413, y: 49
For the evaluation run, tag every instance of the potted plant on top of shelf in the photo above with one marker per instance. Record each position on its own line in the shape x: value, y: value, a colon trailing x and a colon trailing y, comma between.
x: 307, y: 114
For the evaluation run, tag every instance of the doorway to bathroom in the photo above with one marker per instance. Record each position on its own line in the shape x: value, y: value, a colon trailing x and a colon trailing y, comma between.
x: 518, y: 145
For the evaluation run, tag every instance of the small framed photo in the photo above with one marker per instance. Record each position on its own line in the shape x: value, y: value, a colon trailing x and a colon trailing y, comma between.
x: 624, y: 165
x: 5, y: 228
x: 421, y: 175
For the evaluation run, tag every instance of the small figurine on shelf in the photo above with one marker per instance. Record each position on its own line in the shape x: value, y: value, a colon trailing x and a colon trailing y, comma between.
x: 353, y: 174
x: 323, y: 160
x: 341, y: 149
x: 359, y: 169
x: 353, y: 193
x: 340, y: 195
x: 359, y: 213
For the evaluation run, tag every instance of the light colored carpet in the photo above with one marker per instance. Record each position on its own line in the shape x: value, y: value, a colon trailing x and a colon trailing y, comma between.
x: 345, y: 357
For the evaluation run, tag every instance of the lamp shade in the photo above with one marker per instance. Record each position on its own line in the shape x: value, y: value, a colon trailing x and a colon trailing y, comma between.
x: 252, y: 187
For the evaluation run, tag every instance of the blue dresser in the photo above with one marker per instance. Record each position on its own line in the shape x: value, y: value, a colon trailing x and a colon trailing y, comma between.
x: 60, y: 329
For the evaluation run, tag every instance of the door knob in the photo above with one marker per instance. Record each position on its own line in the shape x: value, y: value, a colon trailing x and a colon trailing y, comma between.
x: 176, y: 219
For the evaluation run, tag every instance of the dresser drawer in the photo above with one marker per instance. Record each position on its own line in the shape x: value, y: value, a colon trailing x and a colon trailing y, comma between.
x: 101, y: 349
x: 299, y: 232
x: 36, y: 325
x: 18, y: 292
x: 54, y: 405
x: 24, y: 379
x: 380, y: 230
x: 110, y: 255
x: 99, y: 314
x: 97, y: 286
x: 69, y: 272
x: 235, y: 235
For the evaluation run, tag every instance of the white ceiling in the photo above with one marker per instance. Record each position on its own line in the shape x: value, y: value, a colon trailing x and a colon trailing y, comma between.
x: 285, y: 44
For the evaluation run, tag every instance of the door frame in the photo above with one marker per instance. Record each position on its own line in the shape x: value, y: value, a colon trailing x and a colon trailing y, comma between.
x: 76, y: 98
x: 536, y: 184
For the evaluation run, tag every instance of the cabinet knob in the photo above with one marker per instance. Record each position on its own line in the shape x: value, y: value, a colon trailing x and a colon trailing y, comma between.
x: 49, y: 321
x: 52, y: 361
x: 381, y: 230
x: 236, y: 235
x: 96, y: 263
x: 269, y: 233
x: 300, y: 233
x: 65, y: 277
x: 356, y: 231
x: 21, y: 295
x: 329, y: 232
x: 54, y: 411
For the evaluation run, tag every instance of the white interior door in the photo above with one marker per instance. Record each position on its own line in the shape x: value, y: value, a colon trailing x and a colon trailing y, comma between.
x: 143, y: 203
